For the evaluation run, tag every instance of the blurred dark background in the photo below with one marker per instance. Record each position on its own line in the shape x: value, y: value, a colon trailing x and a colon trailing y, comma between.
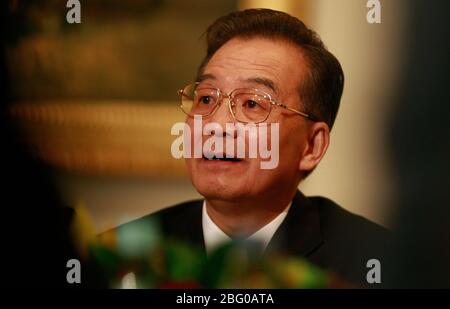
x: 86, y: 111
x: 419, y: 143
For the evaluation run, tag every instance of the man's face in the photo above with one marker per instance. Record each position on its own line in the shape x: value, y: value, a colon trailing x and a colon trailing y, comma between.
x: 244, y: 64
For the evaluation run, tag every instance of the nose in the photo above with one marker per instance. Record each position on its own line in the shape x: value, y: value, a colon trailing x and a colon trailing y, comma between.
x: 222, y: 115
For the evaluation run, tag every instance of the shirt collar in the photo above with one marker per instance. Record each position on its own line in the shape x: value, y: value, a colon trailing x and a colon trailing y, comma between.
x: 215, y: 237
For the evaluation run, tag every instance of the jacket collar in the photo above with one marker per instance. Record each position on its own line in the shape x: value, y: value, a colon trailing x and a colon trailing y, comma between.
x: 300, y: 233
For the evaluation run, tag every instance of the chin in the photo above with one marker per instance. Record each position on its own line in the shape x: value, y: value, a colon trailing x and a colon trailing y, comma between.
x: 215, y: 190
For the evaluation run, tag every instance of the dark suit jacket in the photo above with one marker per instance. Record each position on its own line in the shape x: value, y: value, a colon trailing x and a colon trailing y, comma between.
x: 315, y: 228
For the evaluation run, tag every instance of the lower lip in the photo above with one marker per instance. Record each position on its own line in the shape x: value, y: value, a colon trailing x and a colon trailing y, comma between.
x: 221, y: 162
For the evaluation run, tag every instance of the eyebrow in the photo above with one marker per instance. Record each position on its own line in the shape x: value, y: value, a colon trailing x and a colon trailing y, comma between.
x: 205, y: 77
x: 257, y: 80
x: 263, y: 81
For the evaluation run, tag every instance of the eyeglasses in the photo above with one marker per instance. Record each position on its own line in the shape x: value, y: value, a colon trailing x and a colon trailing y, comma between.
x: 246, y: 105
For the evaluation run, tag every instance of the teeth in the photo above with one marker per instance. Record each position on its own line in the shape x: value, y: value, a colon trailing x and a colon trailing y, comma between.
x: 221, y: 159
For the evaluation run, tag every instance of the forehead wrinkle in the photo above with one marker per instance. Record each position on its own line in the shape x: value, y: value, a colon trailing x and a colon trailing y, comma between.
x: 268, y: 63
x: 256, y: 70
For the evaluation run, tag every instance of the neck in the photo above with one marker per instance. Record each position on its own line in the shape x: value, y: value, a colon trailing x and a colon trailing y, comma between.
x: 243, y: 218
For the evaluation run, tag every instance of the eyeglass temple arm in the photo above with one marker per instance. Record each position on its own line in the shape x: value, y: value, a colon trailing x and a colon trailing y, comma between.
x: 296, y: 111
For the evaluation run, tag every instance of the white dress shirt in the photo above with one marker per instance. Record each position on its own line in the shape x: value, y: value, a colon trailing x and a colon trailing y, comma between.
x: 214, y: 236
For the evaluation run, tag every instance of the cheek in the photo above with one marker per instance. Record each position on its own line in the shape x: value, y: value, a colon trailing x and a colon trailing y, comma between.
x: 189, y: 164
x: 292, y: 144
x: 192, y: 138
x: 190, y: 167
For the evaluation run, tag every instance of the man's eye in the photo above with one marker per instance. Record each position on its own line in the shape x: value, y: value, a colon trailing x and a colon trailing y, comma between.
x: 205, y: 100
x: 251, y: 104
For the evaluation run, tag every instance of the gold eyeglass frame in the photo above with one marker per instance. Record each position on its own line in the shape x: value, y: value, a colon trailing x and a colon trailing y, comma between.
x: 222, y: 95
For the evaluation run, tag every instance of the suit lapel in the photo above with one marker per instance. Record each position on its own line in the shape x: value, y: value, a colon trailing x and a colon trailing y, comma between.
x: 300, y: 233
x: 189, y: 227
x: 197, y: 230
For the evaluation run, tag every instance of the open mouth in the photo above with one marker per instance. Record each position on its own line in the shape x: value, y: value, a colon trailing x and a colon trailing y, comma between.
x: 214, y: 158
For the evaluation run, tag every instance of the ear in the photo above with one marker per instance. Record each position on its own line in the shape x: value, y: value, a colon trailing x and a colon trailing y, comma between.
x: 317, y: 141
